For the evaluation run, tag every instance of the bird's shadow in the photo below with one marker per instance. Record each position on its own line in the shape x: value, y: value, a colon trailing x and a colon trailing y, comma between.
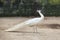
x: 21, y: 32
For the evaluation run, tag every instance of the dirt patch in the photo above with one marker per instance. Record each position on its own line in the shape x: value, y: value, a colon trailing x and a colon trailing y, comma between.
x: 48, y: 30
x: 49, y: 22
x: 53, y: 26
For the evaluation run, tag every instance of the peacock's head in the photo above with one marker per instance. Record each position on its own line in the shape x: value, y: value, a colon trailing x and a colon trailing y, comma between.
x: 39, y: 11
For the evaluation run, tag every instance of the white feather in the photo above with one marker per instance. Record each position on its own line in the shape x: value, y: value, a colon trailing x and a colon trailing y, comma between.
x: 29, y: 22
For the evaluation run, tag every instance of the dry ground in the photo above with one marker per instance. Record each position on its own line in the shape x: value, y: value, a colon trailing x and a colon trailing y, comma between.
x: 48, y: 30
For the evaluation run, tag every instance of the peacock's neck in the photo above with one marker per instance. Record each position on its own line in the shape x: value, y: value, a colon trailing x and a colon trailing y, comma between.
x: 42, y: 16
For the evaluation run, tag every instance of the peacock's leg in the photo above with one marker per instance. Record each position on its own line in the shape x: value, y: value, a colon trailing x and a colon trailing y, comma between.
x: 35, y: 29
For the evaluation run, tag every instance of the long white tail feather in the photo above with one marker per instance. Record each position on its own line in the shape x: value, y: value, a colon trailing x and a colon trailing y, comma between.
x: 21, y: 25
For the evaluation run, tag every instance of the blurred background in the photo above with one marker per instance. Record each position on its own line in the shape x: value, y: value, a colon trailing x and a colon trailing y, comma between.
x: 13, y: 12
x: 28, y: 7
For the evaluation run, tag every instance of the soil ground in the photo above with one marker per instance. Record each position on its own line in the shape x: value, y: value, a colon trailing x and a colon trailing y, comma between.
x: 49, y: 29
